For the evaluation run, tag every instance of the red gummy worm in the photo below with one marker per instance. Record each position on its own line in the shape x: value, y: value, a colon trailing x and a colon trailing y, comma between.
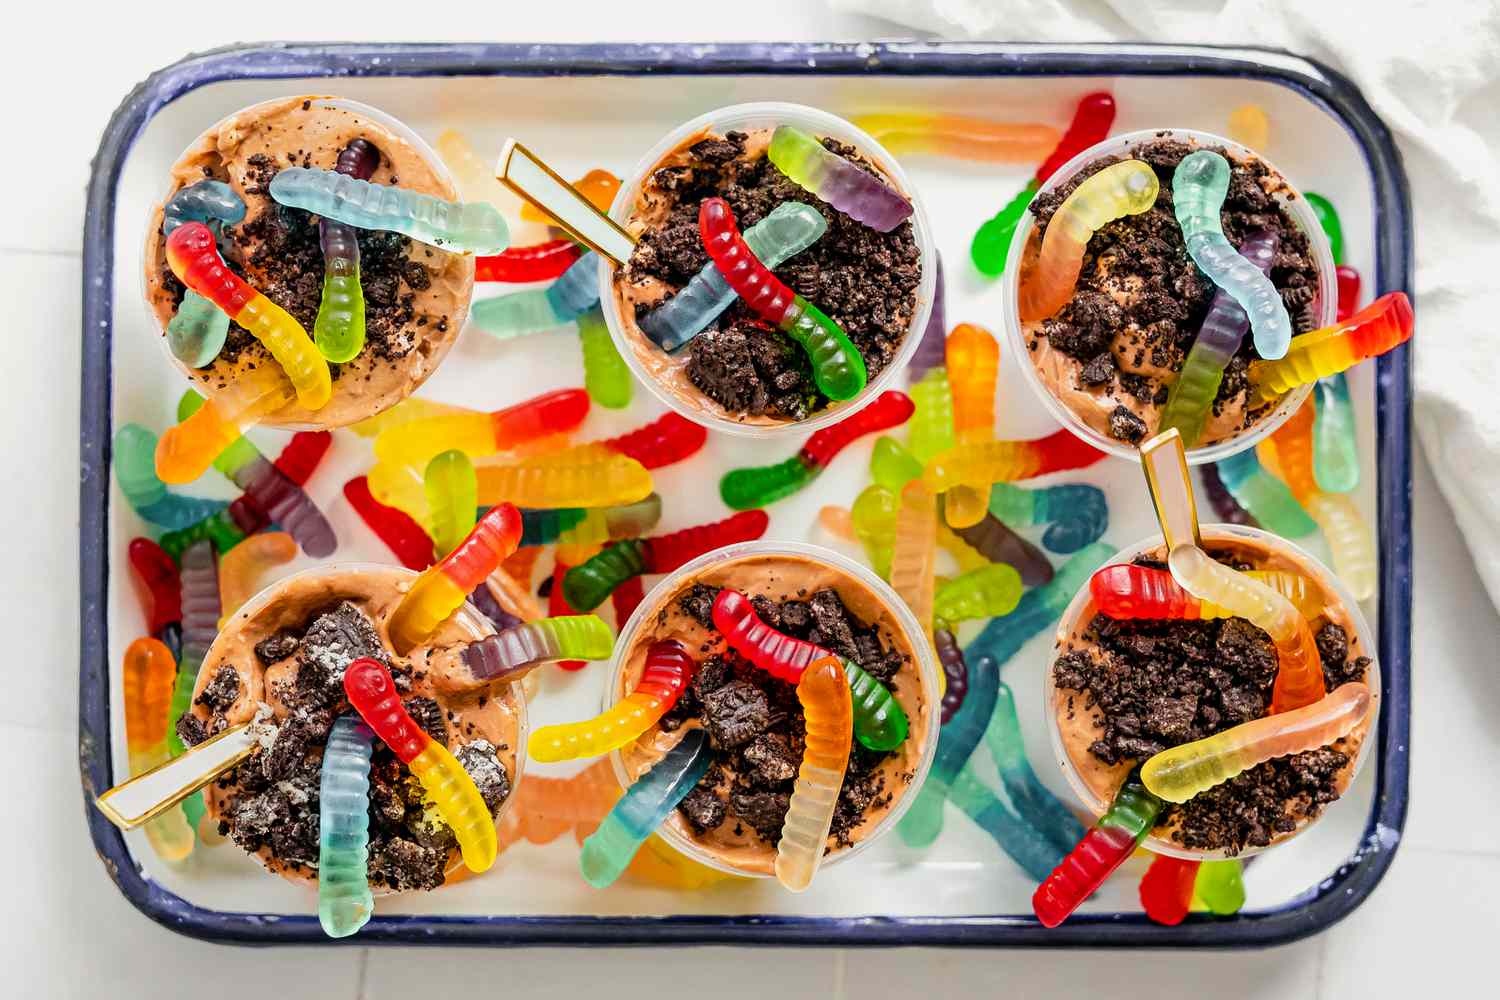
x: 557, y: 605
x: 397, y: 529
x: 372, y: 693
x: 538, y: 262
x: 549, y: 413
x: 664, y: 553
x: 1098, y: 854
x: 890, y: 409
x: 751, y: 280
x: 625, y: 599
x: 160, y: 583
x: 776, y: 653
x: 196, y: 262
x: 667, y: 672
x: 1125, y: 592
x: 493, y: 539
x: 668, y: 439
x: 1167, y: 889
x: 1348, y: 279
x: 1062, y: 450
x: 302, y: 454
x: 1091, y: 123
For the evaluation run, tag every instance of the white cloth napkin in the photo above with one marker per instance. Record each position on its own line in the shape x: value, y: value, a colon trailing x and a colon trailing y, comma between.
x: 1431, y: 70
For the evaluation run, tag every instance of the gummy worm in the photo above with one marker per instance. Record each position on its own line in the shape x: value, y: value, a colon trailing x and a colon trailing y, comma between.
x: 1126, y: 188
x: 1219, y: 337
x: 1199, y: 185
x: 540, y: 262
x: 1381, y: 326
x: 790, y: 228
x: 857, y: 193
x: 372, y: 693
x: 743, y: 489
x: 345, y: 903
x: 1299, y: 674
x: 644, y: 807
x: 1181, y: 772
x: 195, y: 260
x: 587, y: 586
x: 838, y: 367
x: 134, y: 460
x: 1091, y: 123
x: 196, y: 333
x: 460, y: 227
x: 511, y: 653
x: 778, y: 654
x: 823, y: 693
x: 1102, y: 850
x: 667, y: 672
x: 442, y: 589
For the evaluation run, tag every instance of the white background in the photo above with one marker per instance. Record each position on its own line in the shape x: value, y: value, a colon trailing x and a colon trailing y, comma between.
x: 70, y: 933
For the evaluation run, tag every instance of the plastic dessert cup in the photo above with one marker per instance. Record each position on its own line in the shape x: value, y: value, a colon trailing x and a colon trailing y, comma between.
x: 1095, y: 795
x: 674, y: 831
x: 415, y: 368
x: 642, y: 355
x: 360, y: 578
x: 1015, y: 337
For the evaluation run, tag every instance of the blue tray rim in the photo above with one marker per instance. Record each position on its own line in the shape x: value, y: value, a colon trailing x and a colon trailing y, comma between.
x: 1318, y: 908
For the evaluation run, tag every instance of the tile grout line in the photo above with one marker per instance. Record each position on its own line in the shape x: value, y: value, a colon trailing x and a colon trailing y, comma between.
x: 361, y: 981
x: 1320, y: 969
x: 31, y: 252
x: 840, y: 974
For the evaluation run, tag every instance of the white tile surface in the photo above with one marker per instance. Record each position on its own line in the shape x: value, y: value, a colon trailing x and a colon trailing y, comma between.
x: 547, y: 973
x: 65, y: 931
x: 1426, y: 931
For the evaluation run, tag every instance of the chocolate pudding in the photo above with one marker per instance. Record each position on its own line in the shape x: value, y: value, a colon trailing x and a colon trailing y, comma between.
x: 1111, y: 354
x: 754, y: 721
x: 740, y: 368
x: 288, y: 654
x: 416, y: 296
x: 1124, y: 690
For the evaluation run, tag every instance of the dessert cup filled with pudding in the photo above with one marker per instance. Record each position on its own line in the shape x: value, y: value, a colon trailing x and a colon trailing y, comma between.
x: 741, y: 374
x: 416, y: 296
x: 1119, y: 691
x: 1105, y: 363
x: 282, y: 657
x: 732, y: 820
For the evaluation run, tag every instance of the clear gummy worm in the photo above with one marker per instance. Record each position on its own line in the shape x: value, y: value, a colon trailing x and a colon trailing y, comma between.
x: 459, y: 227
x: 1199, y: 186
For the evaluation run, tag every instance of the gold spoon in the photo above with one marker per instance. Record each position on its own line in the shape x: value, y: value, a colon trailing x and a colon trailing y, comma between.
x: 148, y: 795
x: 527, y: 175
x: 1165, y: 464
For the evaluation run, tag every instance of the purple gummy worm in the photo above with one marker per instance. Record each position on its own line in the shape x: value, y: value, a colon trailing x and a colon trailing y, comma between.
x: 993, y: 539
x: 200, y: 599
x: 1218, y: 339
x: 954, y: 669
x: 932, y: 349
x: 1224, y: 504
x: 486, y: 603
x: 859, y: 194
x: 358, y: 160
x: 509, y: 654
x: 285, y: 503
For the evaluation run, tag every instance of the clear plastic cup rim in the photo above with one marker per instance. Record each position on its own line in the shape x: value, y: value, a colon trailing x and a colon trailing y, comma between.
x: 385, y: 119
x: 1329, y: 582
x: 765, y: 114
x: 1297, y: 207
x: 927, y: 670
x: 467, y: 614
